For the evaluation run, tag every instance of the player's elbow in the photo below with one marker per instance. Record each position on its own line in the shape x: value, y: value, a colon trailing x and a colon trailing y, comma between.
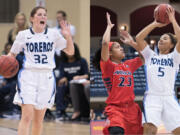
x: 104, y: 57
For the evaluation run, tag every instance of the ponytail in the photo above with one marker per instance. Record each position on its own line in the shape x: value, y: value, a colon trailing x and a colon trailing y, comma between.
x: 96, y: 59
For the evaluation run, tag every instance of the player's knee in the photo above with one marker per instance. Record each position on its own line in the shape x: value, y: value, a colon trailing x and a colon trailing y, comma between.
x: 116, y: 131
x: 150, y: 128
x: 27, y: 119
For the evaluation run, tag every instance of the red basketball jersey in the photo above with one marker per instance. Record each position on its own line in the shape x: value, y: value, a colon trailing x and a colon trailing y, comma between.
x: 118, y: 79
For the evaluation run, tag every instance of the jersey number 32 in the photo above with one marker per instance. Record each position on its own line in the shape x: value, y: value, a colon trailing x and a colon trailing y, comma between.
x: 40, y: 59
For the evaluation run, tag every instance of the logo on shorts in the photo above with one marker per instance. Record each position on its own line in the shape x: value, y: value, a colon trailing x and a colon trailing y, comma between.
x: 50, y: 77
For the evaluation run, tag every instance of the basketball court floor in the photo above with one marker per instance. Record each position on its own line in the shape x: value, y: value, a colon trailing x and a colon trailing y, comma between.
x: 9, y: 127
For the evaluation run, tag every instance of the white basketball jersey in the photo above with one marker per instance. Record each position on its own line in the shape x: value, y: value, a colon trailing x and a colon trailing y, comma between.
x: 38, y: 48
x: 161, y: 71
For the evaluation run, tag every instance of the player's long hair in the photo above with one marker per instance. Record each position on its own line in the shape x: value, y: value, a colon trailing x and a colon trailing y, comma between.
x: 77, y: 55
x: 173, y: 41
x: 96, y: 59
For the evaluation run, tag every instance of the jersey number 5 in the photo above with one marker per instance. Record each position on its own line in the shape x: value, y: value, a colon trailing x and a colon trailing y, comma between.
x: 40, y: 58
x: 161, y: 72
x: 123, y: 80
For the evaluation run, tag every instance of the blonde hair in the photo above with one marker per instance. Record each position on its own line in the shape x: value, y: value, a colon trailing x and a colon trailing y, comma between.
x: 16, y: 29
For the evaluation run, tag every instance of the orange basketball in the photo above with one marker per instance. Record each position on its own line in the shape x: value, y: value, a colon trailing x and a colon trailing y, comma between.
x: 9, y: 66
x: 160, y: 14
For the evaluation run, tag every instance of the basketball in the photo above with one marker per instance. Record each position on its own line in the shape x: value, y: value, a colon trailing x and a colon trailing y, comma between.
x: 9, y: 66
x: 160, y: 14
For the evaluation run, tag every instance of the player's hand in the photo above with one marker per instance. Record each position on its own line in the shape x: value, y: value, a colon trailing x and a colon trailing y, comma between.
x: 126, y: 38
x: 171, y: 14
x: 158, y: 24
x: 65, y: 29
x: 63, y: 81
x: 109, y: 23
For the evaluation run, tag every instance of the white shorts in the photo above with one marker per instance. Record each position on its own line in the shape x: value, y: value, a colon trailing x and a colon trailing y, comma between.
x: 36, y: 87
x: 158, y: 109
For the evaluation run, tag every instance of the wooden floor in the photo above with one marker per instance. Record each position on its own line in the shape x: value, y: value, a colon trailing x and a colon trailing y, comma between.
x: 9, y: 127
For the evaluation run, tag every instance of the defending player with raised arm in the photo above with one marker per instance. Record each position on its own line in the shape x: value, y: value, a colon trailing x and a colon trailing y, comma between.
x: 36, y: 81
x: 122, y: 112
x: 160, y: 102
x: 127, y: 39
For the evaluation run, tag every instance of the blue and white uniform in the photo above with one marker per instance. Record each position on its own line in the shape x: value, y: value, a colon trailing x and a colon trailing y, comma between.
x: 36, y: 81
x: 160, y: 102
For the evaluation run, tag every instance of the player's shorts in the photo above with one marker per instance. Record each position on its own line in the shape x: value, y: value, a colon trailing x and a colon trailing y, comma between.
x: 158, y: 109
x: 128, y: 117
x: 36, y: 87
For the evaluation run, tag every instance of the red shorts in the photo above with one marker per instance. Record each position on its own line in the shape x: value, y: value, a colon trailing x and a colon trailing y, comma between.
x: 129, y: 117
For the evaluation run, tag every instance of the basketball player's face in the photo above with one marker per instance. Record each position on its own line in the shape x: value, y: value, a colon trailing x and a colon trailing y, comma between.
x: 117, y: 51
x: 164, y: 43
x: 40, y: 18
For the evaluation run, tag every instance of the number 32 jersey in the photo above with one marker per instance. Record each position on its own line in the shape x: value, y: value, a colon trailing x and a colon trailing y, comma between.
x: 118, y: 79
x: 38, y: 48
x: 161, y: 71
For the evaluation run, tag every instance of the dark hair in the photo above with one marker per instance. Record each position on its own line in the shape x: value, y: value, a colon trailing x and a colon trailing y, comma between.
x: 96, y: 59
x: 173, y: 40
x: 61, y: 12
x: 64, y: 57
x: 34, y: 10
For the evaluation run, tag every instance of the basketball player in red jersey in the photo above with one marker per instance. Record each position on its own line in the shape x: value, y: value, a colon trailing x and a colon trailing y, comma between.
x: 123, y: 114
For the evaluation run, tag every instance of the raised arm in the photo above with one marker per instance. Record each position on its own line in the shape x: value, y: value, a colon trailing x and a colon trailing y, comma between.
x: 106, y: 39
x: 172, y: 19
x: 67, y: 35
x: 126, y: 38
x: 140, y: 38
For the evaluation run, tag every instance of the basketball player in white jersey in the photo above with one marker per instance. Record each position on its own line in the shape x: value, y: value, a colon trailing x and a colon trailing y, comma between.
x: 160, y: 103
x: 36, y: 82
